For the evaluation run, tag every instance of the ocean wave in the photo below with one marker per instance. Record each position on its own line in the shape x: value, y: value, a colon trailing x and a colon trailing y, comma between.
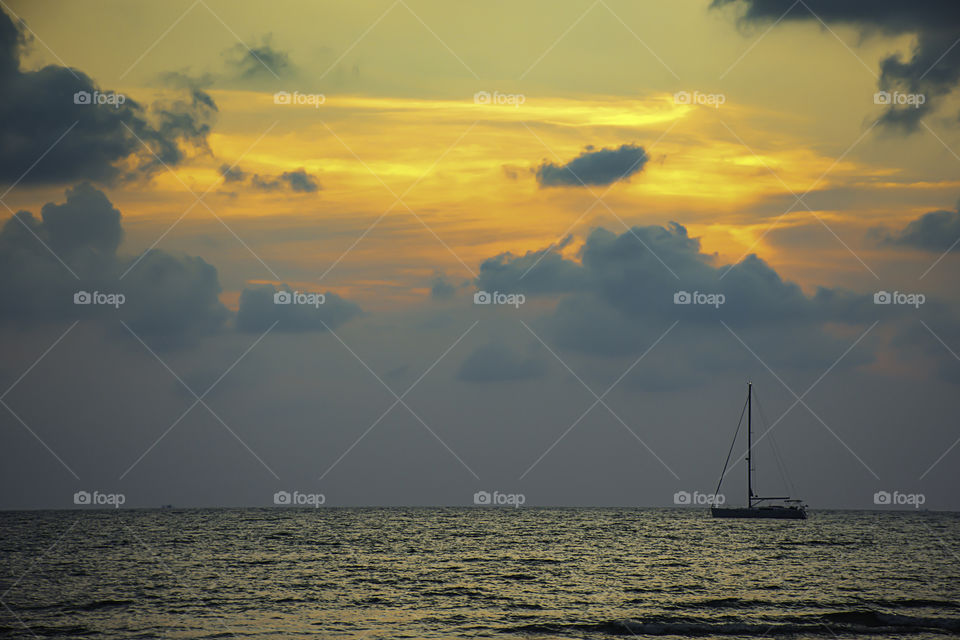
x: 815, y: 605
x: 859, y: 622
x: 917, y: 603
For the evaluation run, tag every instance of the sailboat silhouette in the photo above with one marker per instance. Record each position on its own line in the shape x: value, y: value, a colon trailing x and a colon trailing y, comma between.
x: 791, y: 509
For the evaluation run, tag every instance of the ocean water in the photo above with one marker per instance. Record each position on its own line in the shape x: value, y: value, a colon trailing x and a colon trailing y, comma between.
x: 476, y: 573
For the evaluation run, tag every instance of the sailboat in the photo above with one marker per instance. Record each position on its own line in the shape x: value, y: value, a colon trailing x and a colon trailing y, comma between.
x: 757, y: 506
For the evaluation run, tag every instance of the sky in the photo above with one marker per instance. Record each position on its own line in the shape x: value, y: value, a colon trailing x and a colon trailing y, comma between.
x: 399, y: 252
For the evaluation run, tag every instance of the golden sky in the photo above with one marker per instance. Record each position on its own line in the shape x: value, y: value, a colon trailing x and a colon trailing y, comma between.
x: 399, y: 118
x: 390, y: 151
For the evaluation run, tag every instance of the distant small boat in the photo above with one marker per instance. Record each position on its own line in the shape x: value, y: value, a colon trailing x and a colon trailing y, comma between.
x: 790, y: 509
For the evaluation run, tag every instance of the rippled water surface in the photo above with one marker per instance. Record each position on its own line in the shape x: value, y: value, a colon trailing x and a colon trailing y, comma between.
x: 459, y: 573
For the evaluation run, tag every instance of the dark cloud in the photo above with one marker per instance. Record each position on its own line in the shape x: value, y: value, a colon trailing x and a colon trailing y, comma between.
x: 232, y: 174
x: 619, y: 297
x: 260, y: 308
x: 105, y: 129
x: 542, y: 271
x: 299, y: 181
x: 86, y: 221
x: 936, y: 231
x: 933, y: 68
x: 167, y: 298
x: 172, y: 297
x: 594, y: 167
x: 188, y: 120
x: 254, y: 62
x: 494, y: 362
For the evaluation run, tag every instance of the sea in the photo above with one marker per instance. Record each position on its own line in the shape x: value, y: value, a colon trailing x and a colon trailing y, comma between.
x: 504, y: 573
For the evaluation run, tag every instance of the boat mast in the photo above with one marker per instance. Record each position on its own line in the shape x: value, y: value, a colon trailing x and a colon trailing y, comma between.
x: 749, y: 444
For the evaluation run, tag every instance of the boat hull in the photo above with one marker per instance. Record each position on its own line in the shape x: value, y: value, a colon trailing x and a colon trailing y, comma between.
x: 776, y: 513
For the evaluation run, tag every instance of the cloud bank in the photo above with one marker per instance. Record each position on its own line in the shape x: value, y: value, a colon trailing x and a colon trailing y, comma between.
x: 933, y: 67
x: 103, y: 136
x: 936, y: 231
x: 167, y: 297
x: 624, y: 290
